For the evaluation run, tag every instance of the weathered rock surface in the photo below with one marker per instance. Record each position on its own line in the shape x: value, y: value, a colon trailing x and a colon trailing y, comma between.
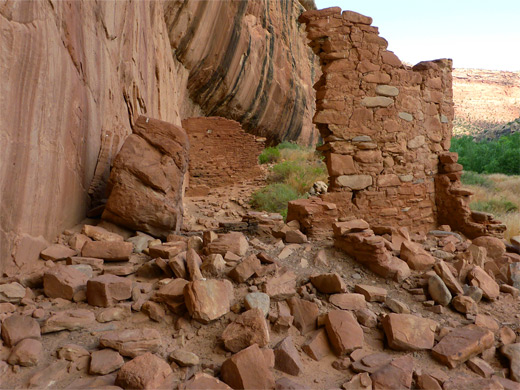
x: 287, y: 358
x: 17, y: 327
x: 74, y: 319
x: 105, y: 361
x: 147, y: 371
x: 409, y: 332
x: 63, y: 282
x: 266, y: 90
x: 209, y: 299
x: 26, y: 353
x: 132, y: 342
x: 105, y: 290
x: 237, y: 373
x: 146, y: 180
x: 344, y: 332
x: 248, y: 329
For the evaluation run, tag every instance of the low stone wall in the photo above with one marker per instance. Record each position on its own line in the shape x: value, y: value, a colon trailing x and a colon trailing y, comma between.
x: 221, y: 154
x: 383, y: 123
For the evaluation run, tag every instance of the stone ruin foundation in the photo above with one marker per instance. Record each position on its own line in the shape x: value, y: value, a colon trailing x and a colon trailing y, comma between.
x: 386, y: 128
x: 221, y: 154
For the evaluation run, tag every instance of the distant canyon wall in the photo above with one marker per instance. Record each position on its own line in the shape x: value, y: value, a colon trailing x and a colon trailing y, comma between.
x: 485, y: 98
x: 77, y: 74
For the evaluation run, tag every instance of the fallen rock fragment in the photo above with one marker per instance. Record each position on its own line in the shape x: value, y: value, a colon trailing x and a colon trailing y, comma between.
x: 395, y: 375
x: 72, y: 352
x: 99, y: 233
x: 317, y: 345
x: 47, y: 376
x: 447, y: 277
x: 107, y: 250
x: 371, y: 293
x: 237, y: 373
x: 203, y: 381
x: 461, y: 344
x: 105, y: 290
x: 512, y: 353
x: 287, y: 358
x: 495, y: 247
x: 257, y: 300
x: 184, y: 358
x: 12, y: 292
x: 295, y: 237
x: 281, y: 286
x: 480, y: 367
x: 117, y: 313
x: 245, y: 269
x: 209, y: 299
x: 408, y: 332
x: 17, y: 327
x: 439, y: 291
x: 288, y: 384
x: 57, y: 252
x: 234, y: 242
x: 344, y: 332
x: 358, y: 382
x: 105, y: 361
x: 249, y: 328
x: 464, y: 304
x: 480, y: 278
x: 329, y: 283
x: 26, y: 353
x: 132, y: 342
x: 305, y: 314
x: 63, y: 282
x: 147, y: 371
x: 416, y: 257
x: 348, y: 301
x: 74, y: 319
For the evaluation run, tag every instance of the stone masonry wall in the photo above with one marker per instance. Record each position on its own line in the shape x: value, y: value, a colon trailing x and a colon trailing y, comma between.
x: 383, y: 123
x: 221, y: 153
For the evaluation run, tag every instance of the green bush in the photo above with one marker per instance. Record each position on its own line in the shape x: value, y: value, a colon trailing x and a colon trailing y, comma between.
x: 496, y: 156
x: 494, y: 206
x: 476, y: 179
x: 269, y: 155
x: 274, y: 198
x: 288, y: 145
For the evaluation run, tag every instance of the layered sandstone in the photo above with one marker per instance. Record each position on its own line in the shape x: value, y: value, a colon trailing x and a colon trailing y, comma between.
x: 76, y: 75
x: 485, y: 99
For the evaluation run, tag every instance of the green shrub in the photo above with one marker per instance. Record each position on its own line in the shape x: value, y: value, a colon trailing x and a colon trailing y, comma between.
x: 494, y: 206
x: 476, y: 179
x: 299, y: 174
x: 274, y: 198
x: 496, y: 156
x: 288, y: 145
x: 269, y: 155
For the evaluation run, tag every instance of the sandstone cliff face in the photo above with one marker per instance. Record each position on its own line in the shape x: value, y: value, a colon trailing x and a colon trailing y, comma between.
x: 76, y: 75
x: 248, y: 61
x: 485, y: 98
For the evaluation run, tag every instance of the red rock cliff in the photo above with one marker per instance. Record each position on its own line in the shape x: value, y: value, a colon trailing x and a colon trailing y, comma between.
x: 76, y: 75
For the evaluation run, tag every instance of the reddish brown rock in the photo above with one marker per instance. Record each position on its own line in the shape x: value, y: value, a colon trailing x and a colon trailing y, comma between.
x: 63, y: 282
x: 74, y: 319
x: 329, y: 283
x: 57, y: 252
x: 447, y: 277
x: 462, y: 344
x: 237, y: 373
x: 464, y: 304
x: 305, y: 314
x: 245, y: 269
x: 108, y: 250
x: 317, y: 345
x: 99, y: 233
x: 407, y: 332
x: 480, y: 367
x: 105, y: 361
x: 416, y: 257
x: 479, y: 278
x: 105, y: 290
x: 203, y: 381
x: 147, y: 371
x: 348, y: 301
x: 26, y: 353
x: 17, y: 327
x: 295, y: 237
x: 344, y: 332
x: 146, y: 180
x: 193, y: 263
x: 248, y: 329
x: 287, y: 358
x: 281, y: 286
x: 132, y: 342
x: 209, y: 299
x: 172, y: 293
x: 512, y: 352
x: 234, y: 242
x: 395, y: 375
x: 371, y: 293
x: 494, y: 246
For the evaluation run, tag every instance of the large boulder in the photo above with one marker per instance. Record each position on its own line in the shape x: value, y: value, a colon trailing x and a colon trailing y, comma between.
x: 146, y: 181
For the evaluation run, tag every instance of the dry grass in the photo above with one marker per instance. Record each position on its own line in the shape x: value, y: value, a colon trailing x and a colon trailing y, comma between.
x: 502, y: 199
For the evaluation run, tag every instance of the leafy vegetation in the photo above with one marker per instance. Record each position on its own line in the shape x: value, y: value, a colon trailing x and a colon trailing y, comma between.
x: 293, y: 171
x: 476, y: 179
x: 495, y: 156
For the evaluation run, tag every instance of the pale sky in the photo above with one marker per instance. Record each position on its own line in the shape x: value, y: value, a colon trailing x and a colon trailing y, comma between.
x: 474, y: 33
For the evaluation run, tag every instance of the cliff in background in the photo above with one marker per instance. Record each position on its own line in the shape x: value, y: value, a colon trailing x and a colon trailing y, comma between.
x: 484, y: 99
x: 76, y: 75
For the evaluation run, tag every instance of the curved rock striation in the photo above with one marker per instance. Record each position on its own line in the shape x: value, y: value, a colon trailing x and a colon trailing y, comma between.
x: 76, y: 76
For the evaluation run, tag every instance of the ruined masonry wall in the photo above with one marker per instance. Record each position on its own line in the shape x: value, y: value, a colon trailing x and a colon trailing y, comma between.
x: 383, y: 123
x: 221, y: 153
